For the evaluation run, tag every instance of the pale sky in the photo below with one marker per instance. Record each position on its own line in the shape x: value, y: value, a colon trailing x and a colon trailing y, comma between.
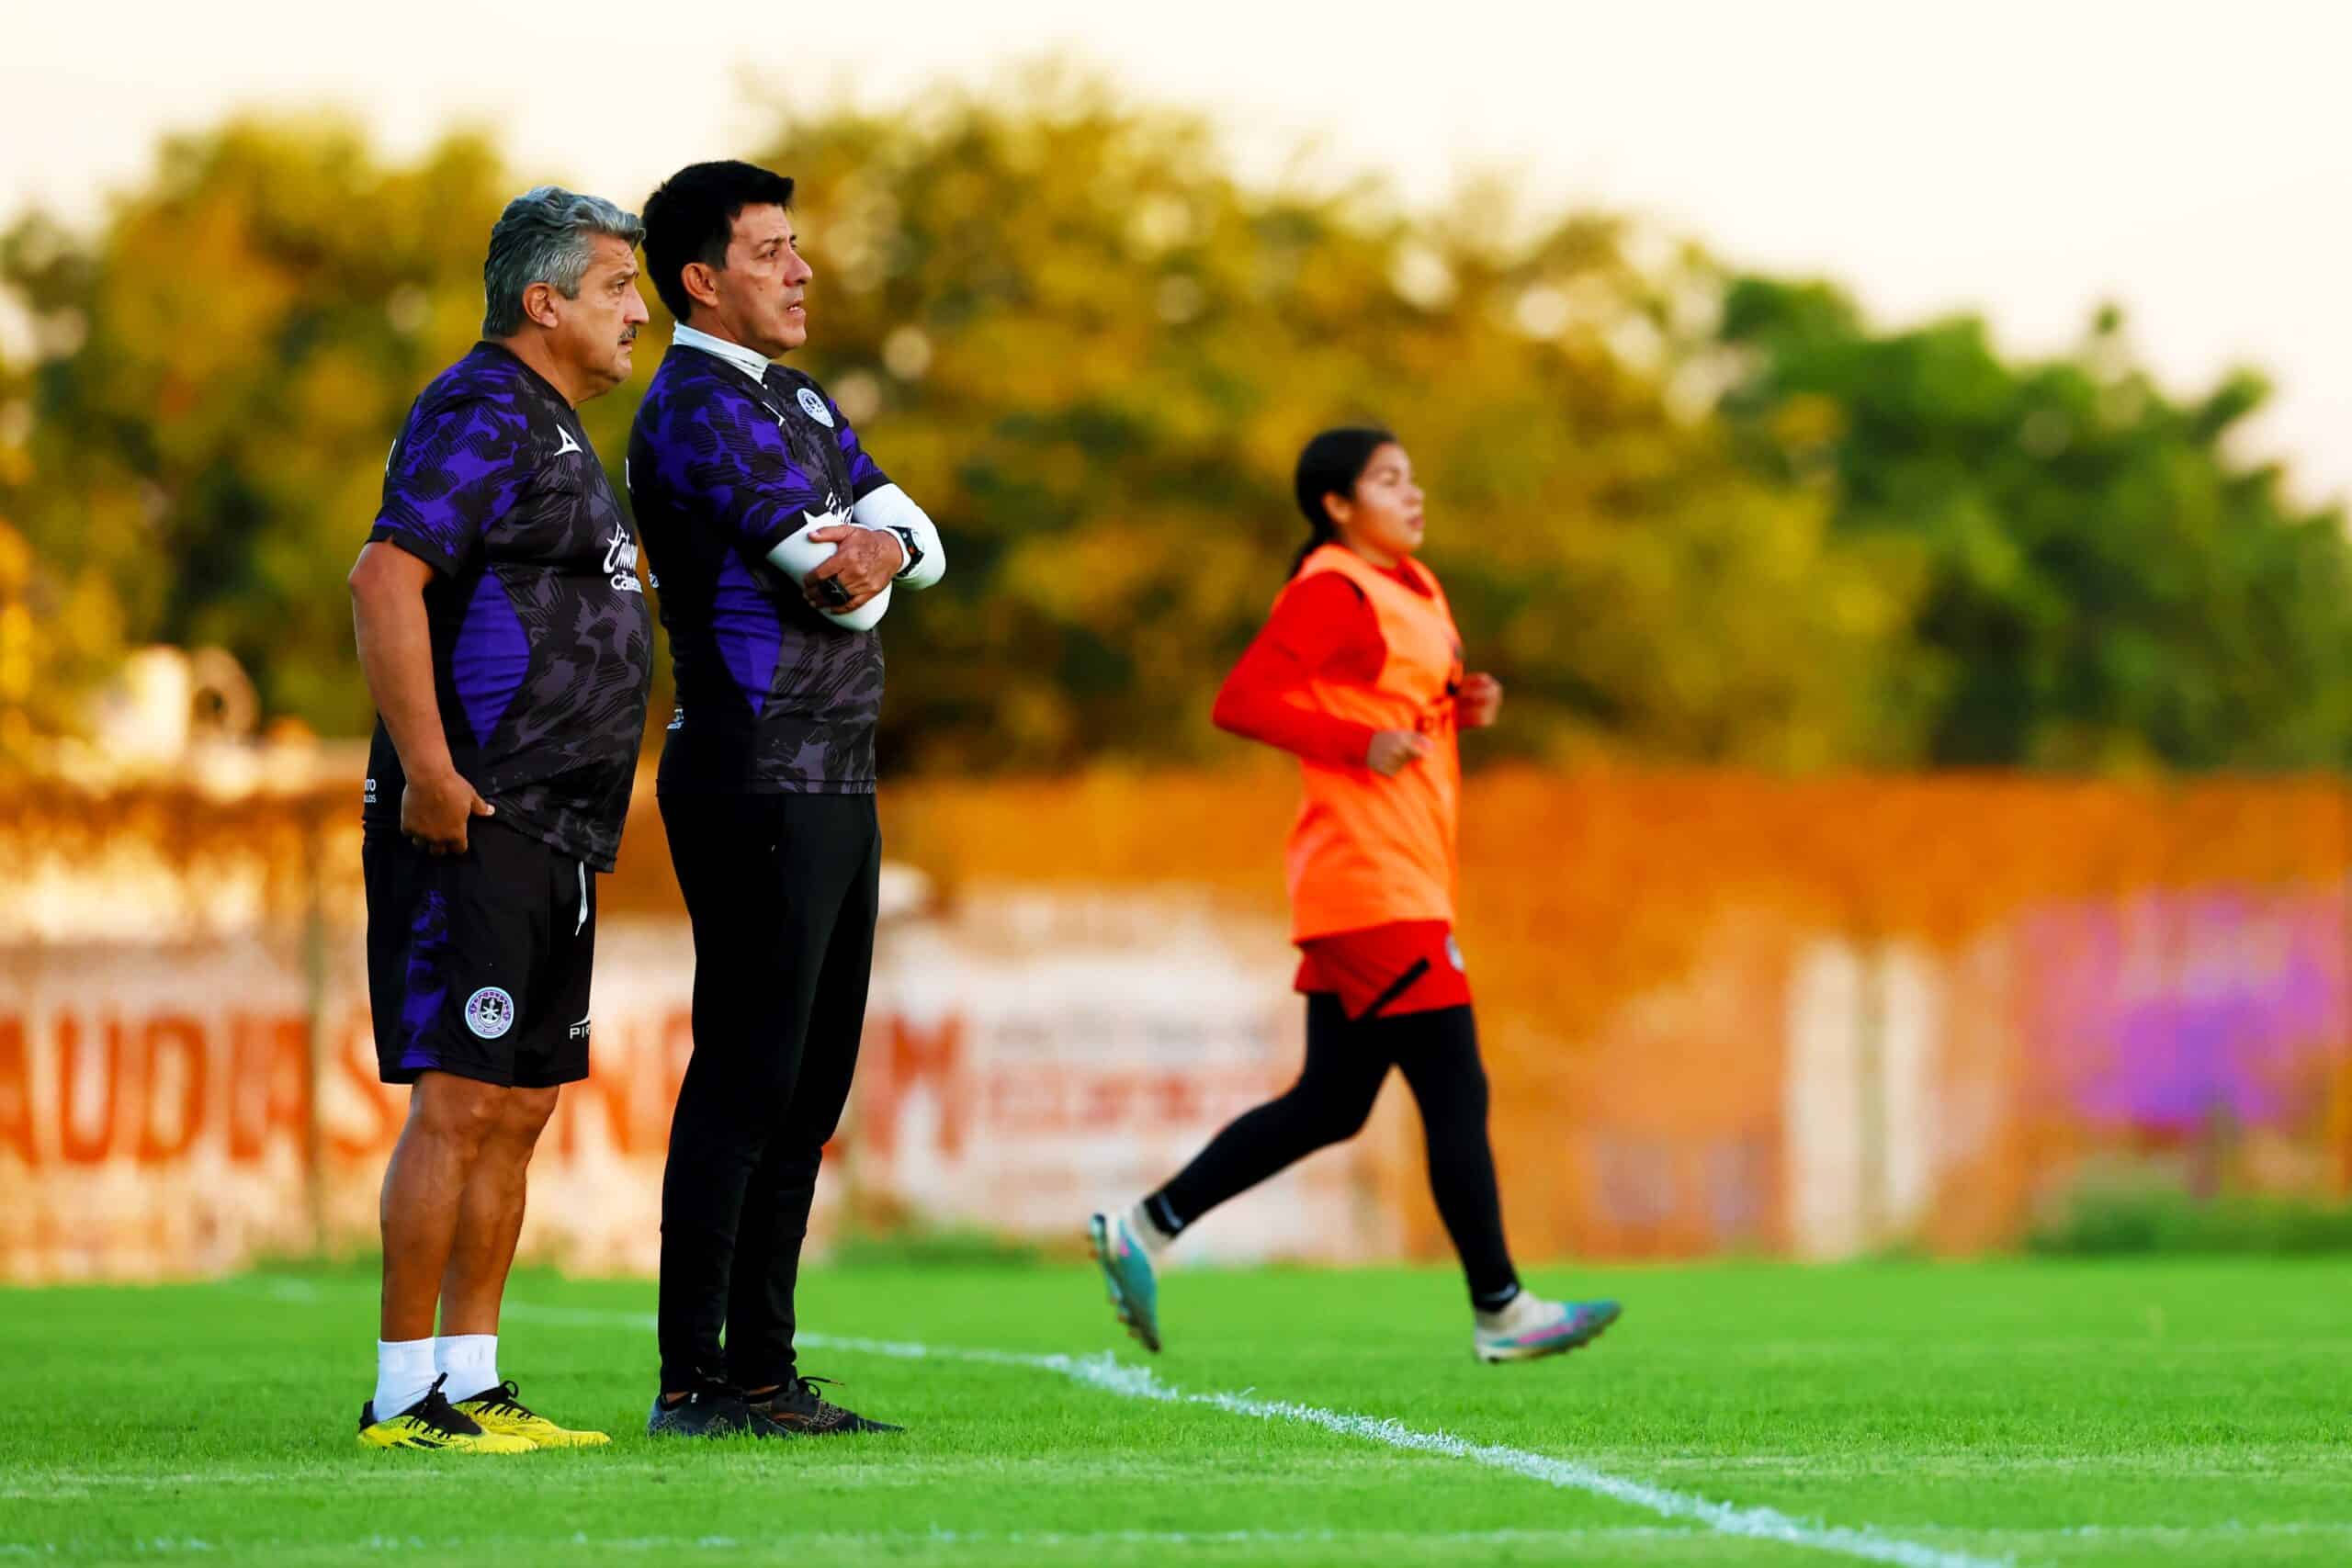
x: 2191, y: 160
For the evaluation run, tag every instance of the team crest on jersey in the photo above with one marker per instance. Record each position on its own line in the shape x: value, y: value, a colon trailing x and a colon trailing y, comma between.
x: 1453, y: 953
x: 814, y: 407
x: 490, y: 1013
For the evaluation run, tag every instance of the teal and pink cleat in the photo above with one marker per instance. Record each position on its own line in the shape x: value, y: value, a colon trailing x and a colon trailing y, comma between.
x: 1127, y: 1276
x: 1543, y: 1328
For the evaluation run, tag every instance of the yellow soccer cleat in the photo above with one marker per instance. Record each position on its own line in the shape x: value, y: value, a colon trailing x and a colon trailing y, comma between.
x: 496, y: 1410
x: 433, y: 1423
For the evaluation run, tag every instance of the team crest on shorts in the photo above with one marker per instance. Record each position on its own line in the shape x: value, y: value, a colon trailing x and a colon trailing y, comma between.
x: 490, y: 1013
x: 814, y: 407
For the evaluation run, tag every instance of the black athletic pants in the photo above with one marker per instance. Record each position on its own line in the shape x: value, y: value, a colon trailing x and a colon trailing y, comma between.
x: 1346, y: 1063
x: 782, y: 890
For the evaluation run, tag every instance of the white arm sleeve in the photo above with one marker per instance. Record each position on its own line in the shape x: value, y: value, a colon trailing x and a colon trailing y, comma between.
x: 894, y: 510
x: 798, y: 554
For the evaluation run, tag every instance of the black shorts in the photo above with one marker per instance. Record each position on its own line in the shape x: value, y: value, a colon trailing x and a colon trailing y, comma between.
x: 478, y: 963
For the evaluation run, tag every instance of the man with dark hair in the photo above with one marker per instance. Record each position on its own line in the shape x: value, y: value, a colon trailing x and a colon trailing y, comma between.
x: 777, y: 542
x: 506, y: 641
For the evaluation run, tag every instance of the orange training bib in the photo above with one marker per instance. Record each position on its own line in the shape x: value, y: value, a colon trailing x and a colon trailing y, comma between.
x: 1368, y: 850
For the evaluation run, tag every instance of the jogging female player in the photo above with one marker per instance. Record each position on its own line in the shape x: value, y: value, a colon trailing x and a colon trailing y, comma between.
x: 1359, y: 671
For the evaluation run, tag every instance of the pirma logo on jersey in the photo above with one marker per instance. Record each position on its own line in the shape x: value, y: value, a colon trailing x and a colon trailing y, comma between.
x: 620, y: 560
x: 814, y: 407
x: 490, y: 1013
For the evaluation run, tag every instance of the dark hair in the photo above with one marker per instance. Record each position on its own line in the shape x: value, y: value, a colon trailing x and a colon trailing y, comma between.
x: 1331, y: 464
x: 691, y: 216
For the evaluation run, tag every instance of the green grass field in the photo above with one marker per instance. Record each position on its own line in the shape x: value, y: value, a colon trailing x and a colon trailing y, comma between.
x: 1939, y: 1416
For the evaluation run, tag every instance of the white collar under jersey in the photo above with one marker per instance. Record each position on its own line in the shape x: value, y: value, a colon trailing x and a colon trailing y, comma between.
x: 750, y: 361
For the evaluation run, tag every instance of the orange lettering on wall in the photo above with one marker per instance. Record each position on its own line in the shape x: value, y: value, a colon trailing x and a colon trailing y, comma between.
x: 910, y: 1057
x: 633, y: 1077
x: 1109, y: 1099
x: 248, y: 1093
x: 267, y: 1086
x: 1179, y: 1100
x: 560, y: 1137
x: 678, y: 1049
x: 611, y: 1084
x: 168, y: 1038
x: 17, y: 1091
x: 386, y: 1104
x: 76, y: 1144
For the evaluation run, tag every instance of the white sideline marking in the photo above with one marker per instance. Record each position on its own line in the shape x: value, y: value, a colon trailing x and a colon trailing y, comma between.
x: 841, y: 1540
x: 902, y: 1539
x: 1102, y: 1371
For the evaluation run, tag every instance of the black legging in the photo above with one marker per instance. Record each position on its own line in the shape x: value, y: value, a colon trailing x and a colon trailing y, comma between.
x: 1346, y: 1062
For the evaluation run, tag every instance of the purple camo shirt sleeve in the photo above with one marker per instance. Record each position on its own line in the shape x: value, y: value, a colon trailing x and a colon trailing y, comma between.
x: 721, y: 454
x: 459, y: 468
x: 866, y: 475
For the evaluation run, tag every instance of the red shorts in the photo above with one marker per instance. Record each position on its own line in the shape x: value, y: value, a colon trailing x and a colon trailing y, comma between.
x: 1409, y: 967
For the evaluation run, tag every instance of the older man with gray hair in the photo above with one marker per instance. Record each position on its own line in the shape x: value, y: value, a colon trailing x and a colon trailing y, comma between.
x: 506, y: 641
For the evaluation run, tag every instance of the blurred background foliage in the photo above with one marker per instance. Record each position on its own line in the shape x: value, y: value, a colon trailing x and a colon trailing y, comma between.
x: 1685, y: 514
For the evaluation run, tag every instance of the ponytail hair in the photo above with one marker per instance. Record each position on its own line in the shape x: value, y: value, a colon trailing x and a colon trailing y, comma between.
x: 1332, y: 465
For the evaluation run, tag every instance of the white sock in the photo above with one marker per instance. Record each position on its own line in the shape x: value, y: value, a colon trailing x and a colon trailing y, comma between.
x: 470, y: 1362
x: 1524, y: 1311
x: 404, y: 1372
x: 1146, y: 1229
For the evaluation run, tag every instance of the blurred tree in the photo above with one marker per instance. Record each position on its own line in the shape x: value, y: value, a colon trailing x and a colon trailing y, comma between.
x: 2105, y: 584
x: 222, y: 369
x: 1094, y: 356
x: 1063, y: 324
x: 1071, y: 333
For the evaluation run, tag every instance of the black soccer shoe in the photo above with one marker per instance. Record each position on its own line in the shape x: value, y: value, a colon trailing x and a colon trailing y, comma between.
x: 797, y: 1410
x: 707, y: 1413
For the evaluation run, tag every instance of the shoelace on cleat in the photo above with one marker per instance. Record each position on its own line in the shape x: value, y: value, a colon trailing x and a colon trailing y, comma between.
x: 437, y: 1414
x: 820, y: 1416
x: 505, y: 1399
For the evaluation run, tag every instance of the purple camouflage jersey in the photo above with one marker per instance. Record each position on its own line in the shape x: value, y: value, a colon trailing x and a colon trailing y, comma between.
x: 542, y: 646
x: 773, y: 698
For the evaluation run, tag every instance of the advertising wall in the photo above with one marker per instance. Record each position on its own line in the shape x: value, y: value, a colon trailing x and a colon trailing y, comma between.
x: 1720, y: 1014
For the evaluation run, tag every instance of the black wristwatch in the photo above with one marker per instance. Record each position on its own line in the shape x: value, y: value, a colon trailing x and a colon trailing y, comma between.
x: 914, y: 551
